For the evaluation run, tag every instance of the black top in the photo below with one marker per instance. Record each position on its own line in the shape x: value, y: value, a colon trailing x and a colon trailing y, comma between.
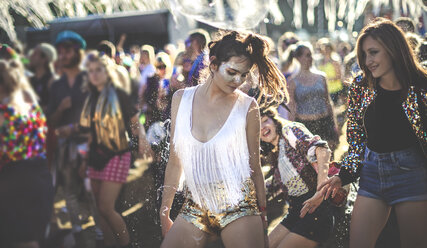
x: 40, y: 86
x: 154, y: 112
x: 61, y: 89
x: 388, y: 129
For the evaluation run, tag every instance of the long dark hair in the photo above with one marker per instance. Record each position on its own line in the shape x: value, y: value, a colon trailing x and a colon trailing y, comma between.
x: 272, y: 83
x: 405, y: 65
x: 279, y: 122
x: 308, y: 174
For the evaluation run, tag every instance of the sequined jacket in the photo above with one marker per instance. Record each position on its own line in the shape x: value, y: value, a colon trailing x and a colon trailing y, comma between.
x: 360, y: 97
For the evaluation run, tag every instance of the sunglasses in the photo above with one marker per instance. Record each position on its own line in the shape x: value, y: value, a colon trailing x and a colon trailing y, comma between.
x: 161, y: 67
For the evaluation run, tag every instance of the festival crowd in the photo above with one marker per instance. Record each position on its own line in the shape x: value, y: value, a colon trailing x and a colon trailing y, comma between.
x: 234, y: 122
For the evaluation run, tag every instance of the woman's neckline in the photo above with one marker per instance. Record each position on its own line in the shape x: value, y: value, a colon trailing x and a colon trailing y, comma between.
x: 221, y: 128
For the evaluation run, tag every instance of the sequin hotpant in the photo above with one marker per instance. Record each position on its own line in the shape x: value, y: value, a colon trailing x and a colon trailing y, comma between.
x: 214, y: 223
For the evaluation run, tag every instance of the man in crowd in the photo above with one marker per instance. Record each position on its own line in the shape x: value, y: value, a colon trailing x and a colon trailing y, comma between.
x: 66, y: 100
x: 41, y: 64
x: 195, y: 45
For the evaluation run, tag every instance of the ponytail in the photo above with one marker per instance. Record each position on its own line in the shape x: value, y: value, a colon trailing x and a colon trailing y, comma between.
x: 290, y: 54
x: 272, y: 82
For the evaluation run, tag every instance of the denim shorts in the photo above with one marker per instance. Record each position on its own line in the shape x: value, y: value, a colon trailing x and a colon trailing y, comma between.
x: 394, y: 177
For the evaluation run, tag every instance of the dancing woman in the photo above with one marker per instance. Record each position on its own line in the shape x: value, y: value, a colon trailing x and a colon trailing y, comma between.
x: 302, y: 162
x: 387, y: 137
x: 109, y: 117
x: 215, y: 149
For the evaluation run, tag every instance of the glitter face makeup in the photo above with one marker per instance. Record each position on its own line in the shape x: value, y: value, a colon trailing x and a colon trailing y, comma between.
x: 234, y: 72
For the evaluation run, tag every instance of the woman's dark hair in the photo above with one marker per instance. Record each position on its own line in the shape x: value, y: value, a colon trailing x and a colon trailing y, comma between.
x: 107, y: 48
x: 307, y: 173
x: 272, y: 83
x: 408, y: 71
x: 296, y: 50
x: 201, y: 36
x: 271, y: 113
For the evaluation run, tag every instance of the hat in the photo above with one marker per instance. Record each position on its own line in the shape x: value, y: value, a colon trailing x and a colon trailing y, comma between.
x: 69, y: 35
x: 49, y: 51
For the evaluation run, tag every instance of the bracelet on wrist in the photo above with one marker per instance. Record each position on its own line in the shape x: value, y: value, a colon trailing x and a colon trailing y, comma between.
x: 262, y: 209
x: 264, y: 218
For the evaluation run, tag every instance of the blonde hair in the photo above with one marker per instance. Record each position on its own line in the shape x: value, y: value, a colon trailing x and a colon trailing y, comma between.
x: 13, y: 80
x: 163, y: 58
x: 150, y: 51
x: 107, y: 63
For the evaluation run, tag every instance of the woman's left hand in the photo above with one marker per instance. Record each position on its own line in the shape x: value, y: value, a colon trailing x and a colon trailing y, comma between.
x: 310, y: 205
x: 265, y: 228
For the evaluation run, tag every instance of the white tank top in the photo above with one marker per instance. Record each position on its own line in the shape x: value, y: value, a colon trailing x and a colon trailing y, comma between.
x: 214, y: 171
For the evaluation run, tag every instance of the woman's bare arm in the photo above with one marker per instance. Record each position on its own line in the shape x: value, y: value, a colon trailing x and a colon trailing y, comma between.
x: 173, y: 171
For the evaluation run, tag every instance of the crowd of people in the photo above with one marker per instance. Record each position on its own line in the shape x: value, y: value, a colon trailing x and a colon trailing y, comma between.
x: 211, y: 116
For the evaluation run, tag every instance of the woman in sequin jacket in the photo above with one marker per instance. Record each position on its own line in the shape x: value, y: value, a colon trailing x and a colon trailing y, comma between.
x: 386, y: 132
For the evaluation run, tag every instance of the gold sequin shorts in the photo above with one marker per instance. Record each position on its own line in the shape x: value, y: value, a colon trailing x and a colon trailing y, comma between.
x: 213, y: 223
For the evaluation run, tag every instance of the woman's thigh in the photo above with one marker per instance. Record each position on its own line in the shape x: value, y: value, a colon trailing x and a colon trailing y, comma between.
x: 246, y: 231
x: 108, y: 193
x: 277, y: 235
x: 412, y: 219
x: 293, y: 240
x: 184, y: 234
x: 368, y: 219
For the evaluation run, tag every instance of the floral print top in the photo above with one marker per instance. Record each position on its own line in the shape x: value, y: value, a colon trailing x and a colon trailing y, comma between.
x: 294, y: 173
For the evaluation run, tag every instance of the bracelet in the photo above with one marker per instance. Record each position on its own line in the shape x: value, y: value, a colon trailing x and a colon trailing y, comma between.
x: 264, y: 218
x: 265, y: 231
x: 262, y: 209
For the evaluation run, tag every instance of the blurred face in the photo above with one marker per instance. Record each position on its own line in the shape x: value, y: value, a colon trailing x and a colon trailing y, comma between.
x: 144, y: 59
x: 98, y: 75
x: 231, y: 74
x: 161, y: 70
x: 36, y: 58
x: 326, y: 50
x: 268, y: 130
x: 377, y: 59
x: 187, y: 64
x: 306, y: 59
x: 68, y: 57
x: 195, y: 46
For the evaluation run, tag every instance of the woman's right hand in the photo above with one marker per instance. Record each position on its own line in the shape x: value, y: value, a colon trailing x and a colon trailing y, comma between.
x: 330, y: 186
